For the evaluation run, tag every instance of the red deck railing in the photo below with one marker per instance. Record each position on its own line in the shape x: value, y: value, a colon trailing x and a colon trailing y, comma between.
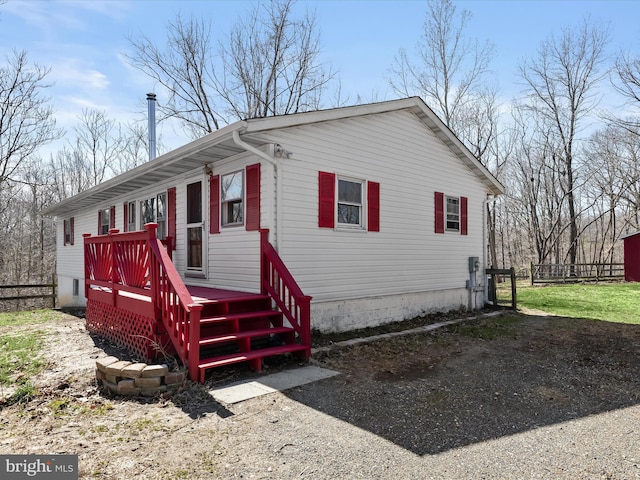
x: 133, y: 271
x: 277, y: 281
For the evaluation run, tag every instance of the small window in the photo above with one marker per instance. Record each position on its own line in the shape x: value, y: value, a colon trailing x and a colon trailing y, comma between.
x: 68, y: 231
x: 232, y: 193
x: 453, y: 214
x: 105, y: 221
x: 154, y: 210
x: 349, y: 202
x: 131, y: 221
x: 76, y: 287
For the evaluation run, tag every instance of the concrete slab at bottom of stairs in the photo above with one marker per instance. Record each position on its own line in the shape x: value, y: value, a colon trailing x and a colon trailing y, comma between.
x: 277, y: 382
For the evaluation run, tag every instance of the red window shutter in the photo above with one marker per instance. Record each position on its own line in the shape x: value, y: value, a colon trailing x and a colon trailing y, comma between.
x: 71, y: 230
x: 214, y: 204
x: 171, y: 215
x: 463, y: 216
x: 125, y: 208
x: 373, y: 206
x: 253, y: 197
x: 112, y: 217
x: 439, y: 212
x: 326, y: 200
x: 99, y: 222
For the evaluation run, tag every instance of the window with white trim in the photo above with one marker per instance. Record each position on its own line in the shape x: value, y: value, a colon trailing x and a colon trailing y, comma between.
x: 68, y: 231
x: 453, y: 214
x: 231, y: 198
x: 154, y: 210
x: 105, y: 221
x: 131, y: 221
x: 350, y: 204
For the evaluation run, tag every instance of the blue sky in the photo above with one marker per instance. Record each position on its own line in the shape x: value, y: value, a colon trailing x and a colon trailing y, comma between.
x: 83, y: 41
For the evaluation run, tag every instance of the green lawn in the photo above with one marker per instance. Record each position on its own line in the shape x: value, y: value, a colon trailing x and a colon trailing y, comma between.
x: 21, y: 339
x: 612, y: 302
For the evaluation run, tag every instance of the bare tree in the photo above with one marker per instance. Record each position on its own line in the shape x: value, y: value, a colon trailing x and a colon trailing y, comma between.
x: 271, y: 64
x: 450, y: 68
x: 185, y: 69
x: 626, y: 80
x: 100, y: 143
x: 26, y: 119
x: 561, y: 88
x: 268, y: 66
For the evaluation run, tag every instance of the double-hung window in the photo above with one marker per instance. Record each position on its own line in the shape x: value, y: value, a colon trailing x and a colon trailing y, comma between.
x: 453, y: 214
x: 231, y: 198
x: 347, y: 203
x: 68, y: 231
x: 350, y: 203
x: 105, y: 221
x: 154, y: 210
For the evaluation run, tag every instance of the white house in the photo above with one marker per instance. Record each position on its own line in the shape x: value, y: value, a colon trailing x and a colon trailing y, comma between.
x: 377, y: 210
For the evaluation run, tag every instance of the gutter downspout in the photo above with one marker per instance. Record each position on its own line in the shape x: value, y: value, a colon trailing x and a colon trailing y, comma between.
x: 276, y: 167
x: 485, y: 204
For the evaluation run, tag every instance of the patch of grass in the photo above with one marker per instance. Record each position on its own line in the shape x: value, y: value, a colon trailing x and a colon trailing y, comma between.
x: 34, y: 317
x: 23, y: 394
x: 611, y: 302
x: 487, y: 329
x: 19, y: 359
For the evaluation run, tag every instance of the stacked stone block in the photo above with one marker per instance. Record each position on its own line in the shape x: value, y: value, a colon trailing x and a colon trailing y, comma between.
x: 128, y: 378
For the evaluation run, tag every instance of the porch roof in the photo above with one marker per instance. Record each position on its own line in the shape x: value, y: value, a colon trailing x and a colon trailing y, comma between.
x: 208, y: 149
x: 220, y: 144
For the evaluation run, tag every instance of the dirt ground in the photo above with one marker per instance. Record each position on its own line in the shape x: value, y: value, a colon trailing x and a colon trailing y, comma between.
x: 517, y: 396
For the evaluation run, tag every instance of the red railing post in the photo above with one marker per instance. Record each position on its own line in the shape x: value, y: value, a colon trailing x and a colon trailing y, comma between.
x: 264, y: 267
x: 154, y: 273
x: 86, y: 265
x: 114, y: 266
x: 194, y: 342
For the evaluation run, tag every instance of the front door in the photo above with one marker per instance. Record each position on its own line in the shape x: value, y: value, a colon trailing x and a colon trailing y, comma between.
x: 196, y: 243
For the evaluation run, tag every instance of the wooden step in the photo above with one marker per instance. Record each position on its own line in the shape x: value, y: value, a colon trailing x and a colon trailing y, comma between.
x: 214, y: 362
x: 240, y: 316
x: 230, y: 337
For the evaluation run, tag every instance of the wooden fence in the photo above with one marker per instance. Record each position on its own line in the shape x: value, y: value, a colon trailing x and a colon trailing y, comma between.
x: 30, y: 291
x: 493, y: 290
x: 575, y: 272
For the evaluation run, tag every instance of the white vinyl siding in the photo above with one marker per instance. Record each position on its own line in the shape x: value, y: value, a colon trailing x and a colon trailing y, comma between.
x: 410, y: 163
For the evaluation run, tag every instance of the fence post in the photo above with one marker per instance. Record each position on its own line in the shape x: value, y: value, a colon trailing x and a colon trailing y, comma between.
x: 531, y: 267
x: 53, y: 290
x: 514, y: 302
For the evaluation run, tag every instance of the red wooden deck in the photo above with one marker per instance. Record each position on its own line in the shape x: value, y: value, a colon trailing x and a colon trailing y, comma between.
x: 136, y: 298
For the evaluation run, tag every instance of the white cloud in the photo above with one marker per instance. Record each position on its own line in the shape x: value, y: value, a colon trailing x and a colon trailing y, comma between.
x: 72, y: 74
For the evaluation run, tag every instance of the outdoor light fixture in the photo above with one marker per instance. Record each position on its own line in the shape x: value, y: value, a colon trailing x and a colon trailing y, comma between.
x: 208, y: 169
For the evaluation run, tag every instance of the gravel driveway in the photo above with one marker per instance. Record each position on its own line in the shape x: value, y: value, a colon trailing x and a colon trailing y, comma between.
x: 512, y: 397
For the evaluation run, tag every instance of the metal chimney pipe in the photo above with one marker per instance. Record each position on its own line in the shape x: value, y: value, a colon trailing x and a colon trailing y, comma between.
x: 151, y: 107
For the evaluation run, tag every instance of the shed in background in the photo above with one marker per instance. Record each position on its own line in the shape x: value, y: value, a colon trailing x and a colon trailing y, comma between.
x: 632, y: 257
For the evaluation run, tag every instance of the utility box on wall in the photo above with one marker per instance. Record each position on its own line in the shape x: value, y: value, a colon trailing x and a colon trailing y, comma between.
x: 632, y: 257
x: 474, y: 264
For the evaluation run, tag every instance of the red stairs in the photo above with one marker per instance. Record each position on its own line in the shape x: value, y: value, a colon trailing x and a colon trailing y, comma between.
x: 136, y: 297
x: 240, y: 327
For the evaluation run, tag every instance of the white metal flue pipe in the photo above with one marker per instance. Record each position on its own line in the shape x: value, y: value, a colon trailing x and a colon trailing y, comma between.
x: 151, y: 111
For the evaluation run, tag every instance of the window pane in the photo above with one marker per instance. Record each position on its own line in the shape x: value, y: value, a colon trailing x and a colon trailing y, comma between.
x: 147, y: 211
x: 350, y: 192
x: 131, y: 211
x: 348, y: 214
x: 453, y: 213
x: 194, y: 202
x: 232, y: 186
x: 194, y: 247
x: 161, y: 207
